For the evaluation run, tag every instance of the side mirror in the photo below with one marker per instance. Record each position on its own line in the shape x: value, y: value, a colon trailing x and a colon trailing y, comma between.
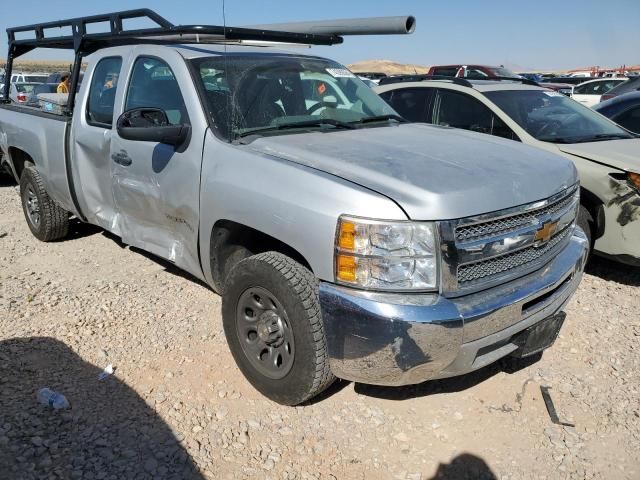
x: 152, y: 125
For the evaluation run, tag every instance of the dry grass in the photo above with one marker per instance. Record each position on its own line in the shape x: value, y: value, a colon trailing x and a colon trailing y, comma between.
x: 387, y: 66
x: 46, y: 66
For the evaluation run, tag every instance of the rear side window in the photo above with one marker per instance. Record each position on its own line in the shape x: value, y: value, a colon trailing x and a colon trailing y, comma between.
x: 459, y: 110
x: 154, y: 85
x: 411, y: 103
x: 446, y: 72
x: 102, y: 94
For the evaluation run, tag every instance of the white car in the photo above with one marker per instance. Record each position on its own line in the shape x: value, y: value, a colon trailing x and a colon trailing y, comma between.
x: 29, y: 77
x: 589, y: 93
x: 607, y: 156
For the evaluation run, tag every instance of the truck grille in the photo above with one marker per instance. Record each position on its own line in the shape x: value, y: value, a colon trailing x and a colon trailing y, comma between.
x: 504, y: 225
x: 497, y: 265
x: 487, y: 250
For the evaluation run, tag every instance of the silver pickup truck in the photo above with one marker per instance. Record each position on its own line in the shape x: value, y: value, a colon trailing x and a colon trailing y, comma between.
x: 344, y: 241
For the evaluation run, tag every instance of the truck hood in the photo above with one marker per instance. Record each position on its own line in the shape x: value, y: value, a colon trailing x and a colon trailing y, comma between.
x: 621, y: 154
x: 433, y: 173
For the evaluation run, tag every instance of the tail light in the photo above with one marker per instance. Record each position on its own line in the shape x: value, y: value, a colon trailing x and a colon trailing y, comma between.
x: 606, y: 96
x: 21, y: 97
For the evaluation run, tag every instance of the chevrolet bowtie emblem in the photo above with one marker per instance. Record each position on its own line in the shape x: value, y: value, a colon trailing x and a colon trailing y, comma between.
x: 546, y: 232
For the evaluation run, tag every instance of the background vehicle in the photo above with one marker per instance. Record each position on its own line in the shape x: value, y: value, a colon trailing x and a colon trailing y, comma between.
x: 631, y: 85
x: 534, y: 77
x: 607, y: 157
x: 56, y: 77
x: 565, y: 80
x: 29, y: 77
x: 623, y: 109
x: 319, y: 214
x: 374, y: 77
x: 470, y: 71
x: 589, y: 93
x: 20, y: 92
x: 563, y: 88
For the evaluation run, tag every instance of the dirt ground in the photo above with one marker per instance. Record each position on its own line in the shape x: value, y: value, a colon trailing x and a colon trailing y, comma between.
x: 177, y: 406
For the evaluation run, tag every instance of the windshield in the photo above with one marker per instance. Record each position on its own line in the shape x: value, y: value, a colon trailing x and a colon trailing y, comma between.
x: 276, y: 94
x: 552, y: 117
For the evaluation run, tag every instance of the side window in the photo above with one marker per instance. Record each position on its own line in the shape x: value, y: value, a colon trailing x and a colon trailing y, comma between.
x: 629, y: 119
x: 102, y: 93
x: 581, y: 90
x: 475, y: 73
x: 459, y: 110
x: 154, y: 85
x: 411, y: 103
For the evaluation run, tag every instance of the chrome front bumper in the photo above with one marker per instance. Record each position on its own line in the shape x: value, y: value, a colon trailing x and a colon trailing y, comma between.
x: 403, y: 339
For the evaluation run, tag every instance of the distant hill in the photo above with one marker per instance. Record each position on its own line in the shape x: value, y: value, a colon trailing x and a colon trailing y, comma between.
x: 386, y: 66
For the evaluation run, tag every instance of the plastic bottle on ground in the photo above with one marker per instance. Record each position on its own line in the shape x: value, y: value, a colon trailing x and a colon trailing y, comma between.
x: 56, y: 400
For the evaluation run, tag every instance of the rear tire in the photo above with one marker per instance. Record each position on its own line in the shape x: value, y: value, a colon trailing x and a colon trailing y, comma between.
x: 46, y: 219
x: 273, y: 325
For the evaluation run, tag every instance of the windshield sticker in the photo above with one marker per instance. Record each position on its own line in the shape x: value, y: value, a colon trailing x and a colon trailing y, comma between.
x: 340, y: 73
x: 553, y: 94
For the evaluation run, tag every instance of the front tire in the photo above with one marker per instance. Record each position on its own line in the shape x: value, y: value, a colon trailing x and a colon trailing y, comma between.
x: 46, y: 219
x: 586, y: 223
x: 272, y: 322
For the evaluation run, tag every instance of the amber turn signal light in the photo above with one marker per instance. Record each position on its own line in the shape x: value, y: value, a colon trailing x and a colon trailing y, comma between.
x: 346, y: 268
x: 347, y: 236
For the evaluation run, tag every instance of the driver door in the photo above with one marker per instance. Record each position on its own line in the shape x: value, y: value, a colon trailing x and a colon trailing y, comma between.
x: 156, y: 186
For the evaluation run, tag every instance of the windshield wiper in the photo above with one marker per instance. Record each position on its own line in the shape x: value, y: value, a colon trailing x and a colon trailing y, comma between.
x: 604, y: 136
x: 288, y: 126
x: 381, y: 118
x: 557, y: 139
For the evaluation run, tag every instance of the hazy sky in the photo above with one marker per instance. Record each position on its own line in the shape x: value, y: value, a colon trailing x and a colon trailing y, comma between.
x: 540, y: 34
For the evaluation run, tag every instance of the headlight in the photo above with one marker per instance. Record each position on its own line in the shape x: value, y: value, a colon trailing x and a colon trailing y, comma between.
x: 380, y: 255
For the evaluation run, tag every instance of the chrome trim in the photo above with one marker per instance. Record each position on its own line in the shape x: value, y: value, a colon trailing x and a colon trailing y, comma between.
x: 457, y: 253
x: 402, y: 339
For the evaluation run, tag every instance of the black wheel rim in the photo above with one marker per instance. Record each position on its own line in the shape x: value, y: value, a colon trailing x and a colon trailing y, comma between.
x: 33, y: 207
x: 264, y: 332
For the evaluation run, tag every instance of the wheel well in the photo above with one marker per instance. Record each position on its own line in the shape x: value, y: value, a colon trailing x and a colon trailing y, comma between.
x: 232, y: 242
x: 19, y: 159
x: 595, y: 208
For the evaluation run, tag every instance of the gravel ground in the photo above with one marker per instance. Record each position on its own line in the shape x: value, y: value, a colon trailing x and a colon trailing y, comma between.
x: 177, y: 407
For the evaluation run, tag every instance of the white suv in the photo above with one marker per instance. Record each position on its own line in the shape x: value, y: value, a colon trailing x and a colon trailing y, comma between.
x: 607, y: 156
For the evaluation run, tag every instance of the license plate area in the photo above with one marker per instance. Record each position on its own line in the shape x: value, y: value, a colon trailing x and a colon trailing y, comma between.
x: 538, y: 337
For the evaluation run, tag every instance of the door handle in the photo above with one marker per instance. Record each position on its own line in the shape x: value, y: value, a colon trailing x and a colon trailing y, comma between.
x: 122, y: 158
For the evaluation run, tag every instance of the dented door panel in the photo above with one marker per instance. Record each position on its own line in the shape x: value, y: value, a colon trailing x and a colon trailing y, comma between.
x: 155, y: 186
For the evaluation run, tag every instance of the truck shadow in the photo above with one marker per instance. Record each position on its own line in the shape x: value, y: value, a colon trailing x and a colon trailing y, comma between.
x: 614, y: 271
x: 465, y: 466
x: 109, y: 431
x: 447, y: 385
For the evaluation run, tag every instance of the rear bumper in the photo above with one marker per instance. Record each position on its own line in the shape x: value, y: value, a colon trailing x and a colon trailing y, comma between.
x: 402, y: 339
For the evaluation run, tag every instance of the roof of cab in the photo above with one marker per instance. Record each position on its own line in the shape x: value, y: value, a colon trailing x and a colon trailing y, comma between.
x: 191, y: 51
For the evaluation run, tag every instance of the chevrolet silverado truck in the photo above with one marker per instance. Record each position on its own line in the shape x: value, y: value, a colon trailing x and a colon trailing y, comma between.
x: 344, y: 241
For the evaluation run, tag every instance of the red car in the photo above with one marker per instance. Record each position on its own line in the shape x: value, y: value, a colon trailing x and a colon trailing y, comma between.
x: 478, y: 72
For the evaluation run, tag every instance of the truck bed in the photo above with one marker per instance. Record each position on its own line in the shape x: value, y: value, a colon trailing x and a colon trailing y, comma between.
x: 42, y: 137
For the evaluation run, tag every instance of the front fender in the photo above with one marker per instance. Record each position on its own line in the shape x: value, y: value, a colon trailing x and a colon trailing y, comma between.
x: 295, y: 204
